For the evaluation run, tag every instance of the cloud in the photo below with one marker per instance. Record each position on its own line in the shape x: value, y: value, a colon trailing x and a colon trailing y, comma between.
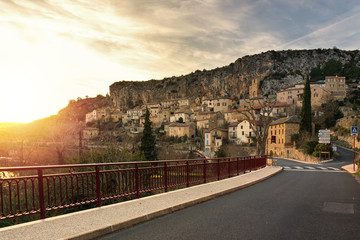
x: 90, y: 44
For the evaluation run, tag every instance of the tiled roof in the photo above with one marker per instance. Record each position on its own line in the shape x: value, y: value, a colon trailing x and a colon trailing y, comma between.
x: 292, y: 119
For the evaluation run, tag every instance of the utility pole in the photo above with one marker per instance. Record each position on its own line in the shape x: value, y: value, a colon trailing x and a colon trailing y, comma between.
x: 354, y: 133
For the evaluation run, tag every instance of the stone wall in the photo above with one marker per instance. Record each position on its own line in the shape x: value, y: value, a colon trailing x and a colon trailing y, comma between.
x: 350, y: 140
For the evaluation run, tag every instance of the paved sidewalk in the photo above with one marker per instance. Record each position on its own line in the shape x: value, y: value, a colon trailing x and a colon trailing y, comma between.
x: 350, y: 168
x: 96, y: 222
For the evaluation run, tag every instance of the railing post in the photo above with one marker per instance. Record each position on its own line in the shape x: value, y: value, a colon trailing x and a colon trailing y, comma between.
x: 251, y: 163
x: 204, y: 171
x: 98, y: 190
x: 237, y: 166
x: 137, y: 185
x: 41, y: 194
x: 218, y: 169
x: 187, y: 174
x: 165, y: 176
x: 244, y: 163
x: 229, y: 170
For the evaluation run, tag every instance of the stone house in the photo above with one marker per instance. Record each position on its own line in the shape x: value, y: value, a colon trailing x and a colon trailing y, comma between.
x: 98, y: 114
x: 213, y: 139
x: 90, y: 132
x: 185, y: 116
x: 116, y: 116
x: 333, y: 87
x: 154, y: 111
x: 151, y: 105
x: 218, y: 104
x: 164, y: 115
x: 133, y: 115
x: 170, y: 103
x: 209, y: 120
x: 241, y: 132
x: 335, y: 84
x: 279, y: 142
x: 291, y: 94
x: 180, y: 130
x: 184, y: 102
x: 319, y: 95
x: 282, y: 109
x: 233, y: 131
x: 156, y: 123
x: 236, y: 115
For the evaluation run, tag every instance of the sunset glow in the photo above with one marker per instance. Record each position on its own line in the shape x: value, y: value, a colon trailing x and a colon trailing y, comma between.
x: 54, y: 51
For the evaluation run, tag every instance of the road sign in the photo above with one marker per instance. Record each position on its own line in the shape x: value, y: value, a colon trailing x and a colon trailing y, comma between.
x: 324, y: 136
x: 354, y: 131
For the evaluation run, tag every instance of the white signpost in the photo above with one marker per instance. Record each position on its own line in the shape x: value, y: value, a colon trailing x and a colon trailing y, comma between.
x: 324, y: 136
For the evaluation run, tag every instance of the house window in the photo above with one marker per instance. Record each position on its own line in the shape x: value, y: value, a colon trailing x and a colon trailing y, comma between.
x: 341, y: 80
x: 207, y: 135
x: 242, y: 133
x: 207, y: 142
x: 241, y: 127
x: 316, y: 95
x: 249, y: 134
x: 273, y: 139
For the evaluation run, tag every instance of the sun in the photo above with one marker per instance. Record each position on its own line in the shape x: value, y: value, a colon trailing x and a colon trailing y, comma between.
x: 20, y: 96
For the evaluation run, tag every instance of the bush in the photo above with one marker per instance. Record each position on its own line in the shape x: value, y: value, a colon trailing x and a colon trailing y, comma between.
x: 316, y: 154
x: 309, y: 147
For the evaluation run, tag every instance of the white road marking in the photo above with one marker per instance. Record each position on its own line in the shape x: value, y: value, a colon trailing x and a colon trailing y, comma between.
x: 297, y: 167
x: 322, y: 168
x: 332, y: 168
x: 316, y: 170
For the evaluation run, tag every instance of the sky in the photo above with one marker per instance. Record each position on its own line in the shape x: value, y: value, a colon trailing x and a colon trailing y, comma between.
x: 52, y: 51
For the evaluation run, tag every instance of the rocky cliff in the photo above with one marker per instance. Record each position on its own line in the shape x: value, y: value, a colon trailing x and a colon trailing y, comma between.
x: 263, y: 73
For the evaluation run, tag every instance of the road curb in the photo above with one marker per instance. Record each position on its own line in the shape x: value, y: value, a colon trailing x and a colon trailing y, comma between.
x: 133, y: 221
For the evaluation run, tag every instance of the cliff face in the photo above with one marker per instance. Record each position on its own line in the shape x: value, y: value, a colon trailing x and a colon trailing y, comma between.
x: 261, y: 73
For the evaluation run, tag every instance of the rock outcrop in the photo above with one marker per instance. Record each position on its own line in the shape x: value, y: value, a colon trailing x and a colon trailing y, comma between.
x: 263, y: 73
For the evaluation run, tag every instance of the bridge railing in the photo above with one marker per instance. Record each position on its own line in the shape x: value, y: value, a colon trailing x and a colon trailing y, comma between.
x: 41, y: 189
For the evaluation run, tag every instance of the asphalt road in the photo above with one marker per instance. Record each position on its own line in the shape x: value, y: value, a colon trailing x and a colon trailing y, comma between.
x: 302, y: 202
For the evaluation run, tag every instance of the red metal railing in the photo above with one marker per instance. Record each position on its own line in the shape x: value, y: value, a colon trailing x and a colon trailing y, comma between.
x: 37, y: 190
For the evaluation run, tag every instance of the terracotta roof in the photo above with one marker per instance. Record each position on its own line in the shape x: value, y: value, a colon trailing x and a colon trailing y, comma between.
x: 292, y: 119
x: 234, y: 124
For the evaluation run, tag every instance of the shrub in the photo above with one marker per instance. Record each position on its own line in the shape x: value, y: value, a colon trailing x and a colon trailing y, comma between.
x: 316, y: 154
x: 308, y: 147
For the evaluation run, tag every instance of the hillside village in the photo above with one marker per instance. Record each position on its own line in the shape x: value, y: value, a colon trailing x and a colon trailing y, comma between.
x: 208, y: 123
x: 251, y: 106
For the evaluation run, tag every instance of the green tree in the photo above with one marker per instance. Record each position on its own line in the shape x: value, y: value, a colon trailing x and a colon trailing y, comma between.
x: 148, y: 140
x: 333, y: 67
x: 331, y: 114
x: 305, y: 114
